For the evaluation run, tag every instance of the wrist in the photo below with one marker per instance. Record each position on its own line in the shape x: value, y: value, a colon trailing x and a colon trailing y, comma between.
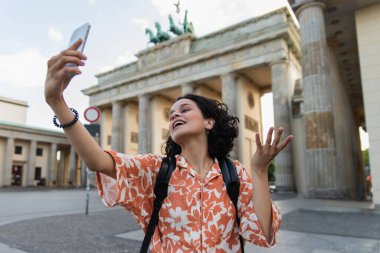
x: 261, y: 173
x: 56, y: 102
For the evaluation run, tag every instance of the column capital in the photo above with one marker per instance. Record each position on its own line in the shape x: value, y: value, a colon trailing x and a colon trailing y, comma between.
x: 188, y: 88
x: 285, y: 61
x: 192, y: 85
x: 116, y: 102
x: 309, y: 4
x: 229, y: 74
x: 144, y: 95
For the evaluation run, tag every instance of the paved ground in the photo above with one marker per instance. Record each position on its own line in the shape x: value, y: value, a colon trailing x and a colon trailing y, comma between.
x: 353, y: 224
x: 20, y: 204
x: 54, y: 221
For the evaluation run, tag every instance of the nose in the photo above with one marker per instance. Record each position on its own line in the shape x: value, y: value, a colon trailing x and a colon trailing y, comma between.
x: 174, y: 115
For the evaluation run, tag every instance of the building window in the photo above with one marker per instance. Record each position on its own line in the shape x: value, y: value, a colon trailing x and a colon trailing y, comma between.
x: 134, y: 137
x: 18, y: 150
x: 39, y: 152
x: 251, y: 100
x: 251, y: 124
x: 37, y: 173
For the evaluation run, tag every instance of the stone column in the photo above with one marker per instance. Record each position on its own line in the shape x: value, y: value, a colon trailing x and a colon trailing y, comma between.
x: 83, y: 174
x: 61, y: 169
x: 187, y: 88
x: 31, y: 163
x: 144, y: 125
x: 126, y: 127
x: 229, y: 97
x: 281, y: 89
x: 72, y: 167
x: 8, y: 160
x: 318, y: 106
x: 51, y: 173
x: 117, y: 117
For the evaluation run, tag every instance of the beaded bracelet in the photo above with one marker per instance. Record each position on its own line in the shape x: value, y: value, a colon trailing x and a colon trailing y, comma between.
x: 68, y: 124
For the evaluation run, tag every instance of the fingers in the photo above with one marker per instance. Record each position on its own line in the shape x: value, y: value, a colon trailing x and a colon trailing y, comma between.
x: 274, y: 148
x: 269, y: 137
x: 65, y: 60
x: 65, y: 64
x: 284, y: 143
x: 70, y: 52
x: 258, y: 142
x: 278, y: 136
x: 68, y: 72
x: 75, y: 45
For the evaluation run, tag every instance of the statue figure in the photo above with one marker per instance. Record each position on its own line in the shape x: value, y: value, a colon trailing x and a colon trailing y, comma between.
x: 178, y: 10
x: 152, y: 38
x: 187, y: 27
x: 173, y: 28
x: 161, y: 36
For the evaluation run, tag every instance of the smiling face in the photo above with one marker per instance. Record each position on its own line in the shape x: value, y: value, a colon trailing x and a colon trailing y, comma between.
x: 187, y: 121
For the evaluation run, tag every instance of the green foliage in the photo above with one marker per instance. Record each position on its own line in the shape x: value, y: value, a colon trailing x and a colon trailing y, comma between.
x: 271, y: 170
x: 366, y: 157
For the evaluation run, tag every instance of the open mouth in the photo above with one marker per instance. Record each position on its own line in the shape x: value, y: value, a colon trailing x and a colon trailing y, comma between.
x: 178, y: 123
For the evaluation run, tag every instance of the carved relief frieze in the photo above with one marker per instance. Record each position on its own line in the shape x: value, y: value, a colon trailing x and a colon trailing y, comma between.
x: 166, y: 51
x: 243, y: 58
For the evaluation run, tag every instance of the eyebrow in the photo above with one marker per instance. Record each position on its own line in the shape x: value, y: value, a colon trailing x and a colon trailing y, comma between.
x: 171, y: 111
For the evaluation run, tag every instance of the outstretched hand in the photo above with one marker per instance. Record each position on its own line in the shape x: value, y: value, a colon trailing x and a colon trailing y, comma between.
x: 61, y: 69
x: 266, y: 153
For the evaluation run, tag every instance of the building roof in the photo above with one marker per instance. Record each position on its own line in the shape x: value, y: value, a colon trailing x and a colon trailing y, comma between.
x: 13, y: 101
x: 4, y: 125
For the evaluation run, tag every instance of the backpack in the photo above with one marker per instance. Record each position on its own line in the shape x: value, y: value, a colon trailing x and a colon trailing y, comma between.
x: 168, y: 165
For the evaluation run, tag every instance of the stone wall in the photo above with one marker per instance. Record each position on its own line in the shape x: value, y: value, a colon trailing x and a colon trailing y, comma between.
x: 368, y: 23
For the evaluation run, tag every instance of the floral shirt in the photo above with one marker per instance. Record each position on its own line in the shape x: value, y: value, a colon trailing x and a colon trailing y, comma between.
x: 196, y: 216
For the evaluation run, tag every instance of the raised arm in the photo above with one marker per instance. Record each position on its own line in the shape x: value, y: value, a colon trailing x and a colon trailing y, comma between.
x: 259, y: 167
x: 57, y: 79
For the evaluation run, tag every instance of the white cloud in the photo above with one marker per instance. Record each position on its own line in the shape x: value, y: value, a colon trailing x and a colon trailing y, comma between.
x: 164, y: 7
x: 125, y: 58
x: 208, y: 16
x: 55, y: 35
x: 26, y: 68
x: 122, y: 59
x: 106, y: 68
x: 142, y: 23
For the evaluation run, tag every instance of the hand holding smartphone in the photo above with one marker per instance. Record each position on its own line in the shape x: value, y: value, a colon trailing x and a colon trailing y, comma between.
x: 79, y: 33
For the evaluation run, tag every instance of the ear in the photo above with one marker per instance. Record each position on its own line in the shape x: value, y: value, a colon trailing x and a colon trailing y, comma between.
x: 210, y: 123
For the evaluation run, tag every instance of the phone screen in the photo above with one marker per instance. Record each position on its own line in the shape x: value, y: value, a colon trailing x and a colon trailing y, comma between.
x: 80, y: 33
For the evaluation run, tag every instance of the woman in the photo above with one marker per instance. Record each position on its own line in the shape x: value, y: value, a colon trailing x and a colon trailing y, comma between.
x: 197, y: 215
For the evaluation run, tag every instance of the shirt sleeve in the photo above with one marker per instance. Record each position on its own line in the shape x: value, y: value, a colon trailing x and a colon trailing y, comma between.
x: 250, y: 227
x: 133, y: 187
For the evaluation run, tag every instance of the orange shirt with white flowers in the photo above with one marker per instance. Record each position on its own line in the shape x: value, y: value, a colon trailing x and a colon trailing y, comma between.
x: 197, y: 215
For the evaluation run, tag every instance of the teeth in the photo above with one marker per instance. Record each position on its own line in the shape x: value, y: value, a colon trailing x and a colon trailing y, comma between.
x: 177, y: 123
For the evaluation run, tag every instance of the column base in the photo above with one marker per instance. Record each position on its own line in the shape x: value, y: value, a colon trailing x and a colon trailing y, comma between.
x: 285, y: 188
x: 329, y: 194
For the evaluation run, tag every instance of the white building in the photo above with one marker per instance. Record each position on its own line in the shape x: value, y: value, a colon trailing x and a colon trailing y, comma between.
x: 31, y: 156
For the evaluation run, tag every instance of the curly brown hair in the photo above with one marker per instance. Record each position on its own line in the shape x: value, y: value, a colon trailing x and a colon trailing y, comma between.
x: 220, y: 137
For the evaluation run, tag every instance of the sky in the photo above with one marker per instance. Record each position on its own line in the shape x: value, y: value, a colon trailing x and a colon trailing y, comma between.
x: 34, y: 31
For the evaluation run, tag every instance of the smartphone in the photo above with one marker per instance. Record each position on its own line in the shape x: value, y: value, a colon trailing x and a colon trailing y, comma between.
x: 79, y: 33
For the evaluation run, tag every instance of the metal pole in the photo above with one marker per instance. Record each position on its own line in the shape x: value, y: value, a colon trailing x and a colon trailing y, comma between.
x: 87, y: 189
x: 88, y: 173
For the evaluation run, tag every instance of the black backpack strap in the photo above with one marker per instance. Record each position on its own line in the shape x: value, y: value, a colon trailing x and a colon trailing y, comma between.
x: 232, y: 182
x: 168, y: 165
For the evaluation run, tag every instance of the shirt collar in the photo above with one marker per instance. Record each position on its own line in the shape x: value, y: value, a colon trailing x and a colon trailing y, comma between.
x: 182, y: 163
